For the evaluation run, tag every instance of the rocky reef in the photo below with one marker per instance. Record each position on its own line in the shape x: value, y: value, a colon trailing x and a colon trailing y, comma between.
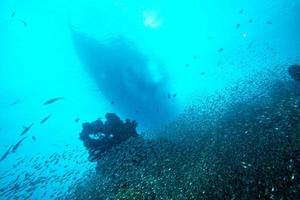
x: 294, y: 71
x: 98, y: 137
x: 252, y: 152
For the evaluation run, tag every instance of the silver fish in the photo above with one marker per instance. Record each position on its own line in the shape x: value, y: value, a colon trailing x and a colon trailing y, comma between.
x: 6, y: 153
x: 17, y: 145
x: 50, y: 101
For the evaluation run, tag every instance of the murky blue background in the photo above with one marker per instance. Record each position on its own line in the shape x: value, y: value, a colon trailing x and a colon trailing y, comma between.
x: 198, y: 48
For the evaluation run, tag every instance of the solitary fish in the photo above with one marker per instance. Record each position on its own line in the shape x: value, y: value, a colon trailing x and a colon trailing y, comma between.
x: 15, y: 102
x: 6, y: 153
x: 50, y: 101
x: 33, y: 137
x: 77, y: 120
x: 17, y: 145
x: 26, y: 128
x: 45, y: 119
x: 23, y: 22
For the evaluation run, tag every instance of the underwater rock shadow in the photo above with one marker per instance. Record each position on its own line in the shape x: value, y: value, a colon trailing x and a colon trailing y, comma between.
x: 122, y: 74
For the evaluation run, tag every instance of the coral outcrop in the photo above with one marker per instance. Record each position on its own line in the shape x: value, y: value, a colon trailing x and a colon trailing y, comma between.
x: 98, y: 136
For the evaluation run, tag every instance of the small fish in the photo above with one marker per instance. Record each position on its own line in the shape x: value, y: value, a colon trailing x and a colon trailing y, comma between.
x: 174, y: 95
x: 238, y: 25
x: 112, y: 102
x: 6, y: 153
x: 13, y: 14
x: 250, y: 21
x: 50, y: 101
x: 187, y: 64
x: 77, y: 120
x: 250, y: 45
x: 202, y: 73
x: 268, y: 22
x: 23, y: 22
x: 195, y: 57
x: 241, y: 11
x: 26, y: 128
x: 33, y: 138
x: 45, y: 119
x: 221, y: 49
x: 210, y: 38
x: 17, y: 145
x: 15, y: 102
x: 169, y: 96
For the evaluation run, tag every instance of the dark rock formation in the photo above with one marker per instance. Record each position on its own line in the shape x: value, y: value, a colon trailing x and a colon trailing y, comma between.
x: 98, y: 136
x: 294, y: 71
x: 252, y: 152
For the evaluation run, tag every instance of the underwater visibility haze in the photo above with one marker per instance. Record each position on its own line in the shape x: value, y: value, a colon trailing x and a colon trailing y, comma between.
x: 125, y: 99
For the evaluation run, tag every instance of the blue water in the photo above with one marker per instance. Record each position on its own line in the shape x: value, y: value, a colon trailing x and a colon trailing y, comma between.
x: 145, y: 60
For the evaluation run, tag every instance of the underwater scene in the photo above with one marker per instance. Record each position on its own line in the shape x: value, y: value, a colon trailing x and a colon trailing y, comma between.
x: 149, y: 100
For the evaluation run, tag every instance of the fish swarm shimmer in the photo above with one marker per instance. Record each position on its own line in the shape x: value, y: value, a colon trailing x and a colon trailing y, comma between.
x: 252, y: 152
